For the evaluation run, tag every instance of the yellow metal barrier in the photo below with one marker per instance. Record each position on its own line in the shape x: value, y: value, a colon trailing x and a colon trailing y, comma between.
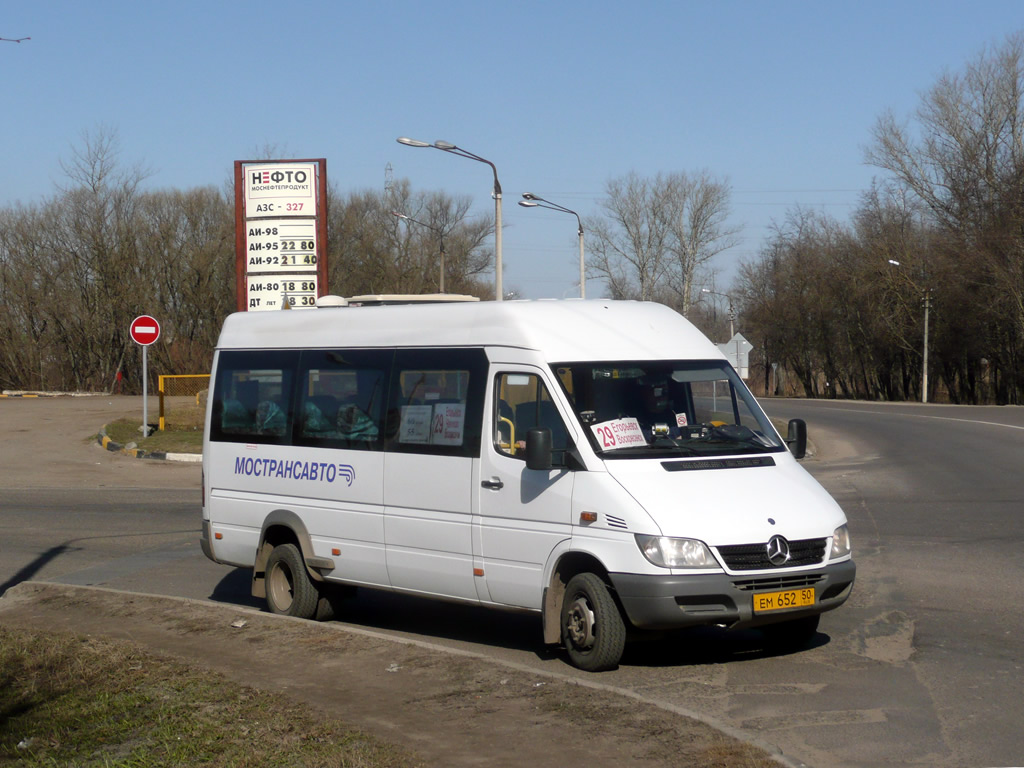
x: 182, y: 396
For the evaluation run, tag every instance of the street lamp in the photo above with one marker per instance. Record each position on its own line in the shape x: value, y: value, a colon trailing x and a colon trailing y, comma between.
x: 732, y: 331
x: 447, y: 146
x: 924, y: 357
x: 732, y: 312
x: 440, y: 237
x: 533, y: 201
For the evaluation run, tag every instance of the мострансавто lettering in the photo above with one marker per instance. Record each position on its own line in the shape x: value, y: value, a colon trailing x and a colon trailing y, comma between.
x: 314, y: 471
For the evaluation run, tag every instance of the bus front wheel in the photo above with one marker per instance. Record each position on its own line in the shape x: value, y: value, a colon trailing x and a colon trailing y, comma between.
x: 593, y: 631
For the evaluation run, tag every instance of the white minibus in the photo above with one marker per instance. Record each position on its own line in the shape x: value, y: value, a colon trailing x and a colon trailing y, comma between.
x: 598, y: 463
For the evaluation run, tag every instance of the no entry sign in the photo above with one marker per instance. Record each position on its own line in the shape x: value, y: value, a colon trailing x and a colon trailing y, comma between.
x: 145, y: 330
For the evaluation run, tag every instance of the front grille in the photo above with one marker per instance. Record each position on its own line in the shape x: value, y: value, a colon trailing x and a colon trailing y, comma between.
x: 754, y: 557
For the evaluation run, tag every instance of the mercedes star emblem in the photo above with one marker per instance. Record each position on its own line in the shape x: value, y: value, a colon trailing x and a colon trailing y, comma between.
x: 778, y: 550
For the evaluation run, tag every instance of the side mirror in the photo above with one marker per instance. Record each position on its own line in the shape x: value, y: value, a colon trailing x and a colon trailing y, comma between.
x: 796, y: 439
x: 538, y: 448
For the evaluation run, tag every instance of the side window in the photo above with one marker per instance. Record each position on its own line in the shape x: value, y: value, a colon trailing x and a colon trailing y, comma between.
x: 436, y: 402
x: 522, y: 402
x: 341, y: 398
x: 252, y: 397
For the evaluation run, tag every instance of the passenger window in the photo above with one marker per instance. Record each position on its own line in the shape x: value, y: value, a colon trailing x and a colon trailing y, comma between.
x: 341, y: 401
x: 437, y: 402
x: 252, y: 397
x: 522, y: 402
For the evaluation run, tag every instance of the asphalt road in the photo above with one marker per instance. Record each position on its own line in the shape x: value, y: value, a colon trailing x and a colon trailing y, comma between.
x: 923, y: 666
x: 935, y: 498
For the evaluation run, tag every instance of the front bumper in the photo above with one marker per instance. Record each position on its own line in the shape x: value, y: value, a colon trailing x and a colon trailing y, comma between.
x: 674, y: 601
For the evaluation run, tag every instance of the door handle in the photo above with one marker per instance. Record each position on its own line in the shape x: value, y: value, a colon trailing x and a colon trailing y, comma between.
x: 494, y: 485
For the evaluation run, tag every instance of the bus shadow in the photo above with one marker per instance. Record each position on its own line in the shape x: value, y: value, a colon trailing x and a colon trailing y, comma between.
x: 701, y: 646
x: 236, y: 589
x: 393, y: 612
x: 428, y: 618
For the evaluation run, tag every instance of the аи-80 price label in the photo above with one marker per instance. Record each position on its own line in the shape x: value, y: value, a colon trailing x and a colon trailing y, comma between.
x: 280, y: 245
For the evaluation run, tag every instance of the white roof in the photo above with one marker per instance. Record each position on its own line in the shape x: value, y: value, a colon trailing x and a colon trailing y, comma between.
x: 564, y: 330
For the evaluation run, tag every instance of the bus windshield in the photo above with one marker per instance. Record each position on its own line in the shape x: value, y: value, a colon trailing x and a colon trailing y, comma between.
x: 666, y: 408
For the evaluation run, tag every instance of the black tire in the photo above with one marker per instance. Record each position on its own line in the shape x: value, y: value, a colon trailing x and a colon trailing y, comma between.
x: 593, y: 631
x: 290, y: 591
x: 791, y: 635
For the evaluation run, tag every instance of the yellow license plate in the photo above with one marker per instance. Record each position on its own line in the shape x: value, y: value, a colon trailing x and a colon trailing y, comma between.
x: 776, y: 601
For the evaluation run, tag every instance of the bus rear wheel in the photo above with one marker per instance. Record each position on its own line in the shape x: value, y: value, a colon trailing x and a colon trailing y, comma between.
x: 290, y: 591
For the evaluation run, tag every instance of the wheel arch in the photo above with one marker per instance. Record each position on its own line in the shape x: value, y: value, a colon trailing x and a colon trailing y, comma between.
x: 282, y: 526
x: 566, y: 566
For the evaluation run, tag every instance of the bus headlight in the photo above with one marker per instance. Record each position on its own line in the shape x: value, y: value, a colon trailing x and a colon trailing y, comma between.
x: 840, y: 542
x: 668, y: 552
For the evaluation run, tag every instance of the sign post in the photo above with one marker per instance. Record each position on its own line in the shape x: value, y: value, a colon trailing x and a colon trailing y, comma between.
x: 145, y: 330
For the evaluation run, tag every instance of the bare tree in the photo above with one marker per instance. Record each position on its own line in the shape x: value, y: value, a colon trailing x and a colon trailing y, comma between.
x: 373, y: 251
x: 658, y: 233
x: 699, y: 229
x: 631, y: 244
x: 75, y: 270
x: 186, y: 245
x: 964, y: 160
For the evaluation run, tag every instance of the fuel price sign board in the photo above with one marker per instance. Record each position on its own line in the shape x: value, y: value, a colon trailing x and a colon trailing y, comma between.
x: 280, y: 233
x: 280, y: 245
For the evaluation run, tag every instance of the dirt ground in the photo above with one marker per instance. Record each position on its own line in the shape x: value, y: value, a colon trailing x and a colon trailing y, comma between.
x: 450, y: 708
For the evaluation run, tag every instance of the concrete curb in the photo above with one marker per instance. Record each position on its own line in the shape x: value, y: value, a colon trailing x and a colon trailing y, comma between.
x: 138, y: 453
x: 24, y: 393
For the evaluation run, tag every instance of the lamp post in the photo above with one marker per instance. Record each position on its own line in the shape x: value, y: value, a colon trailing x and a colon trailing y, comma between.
x: 927, y: 301
x: 732, y: 312
x: 732, y: 330
x: 447, y: 146
x: 533, y: 201
x: 440, y: 237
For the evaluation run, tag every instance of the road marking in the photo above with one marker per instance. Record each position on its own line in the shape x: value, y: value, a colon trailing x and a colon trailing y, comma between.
x: 925, y: 416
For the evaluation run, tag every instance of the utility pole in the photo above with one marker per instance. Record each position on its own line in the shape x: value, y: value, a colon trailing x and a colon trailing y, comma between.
x: 927, y: 301
x: 924, y: 365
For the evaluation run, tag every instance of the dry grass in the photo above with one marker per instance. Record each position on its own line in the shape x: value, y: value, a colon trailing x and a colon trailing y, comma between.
x: 67, y: 700
x: 124, y: 431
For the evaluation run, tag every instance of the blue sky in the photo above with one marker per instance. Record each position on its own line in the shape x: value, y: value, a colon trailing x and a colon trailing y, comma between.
x: 777, y: 98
